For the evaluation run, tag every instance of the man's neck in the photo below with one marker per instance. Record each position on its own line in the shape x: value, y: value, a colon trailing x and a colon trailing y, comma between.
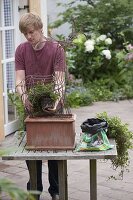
x: 40, y: 44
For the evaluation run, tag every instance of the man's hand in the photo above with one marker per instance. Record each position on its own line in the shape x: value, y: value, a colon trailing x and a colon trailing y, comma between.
x: 53, y: 109
x: 50, y: 109
x: 27, y: 104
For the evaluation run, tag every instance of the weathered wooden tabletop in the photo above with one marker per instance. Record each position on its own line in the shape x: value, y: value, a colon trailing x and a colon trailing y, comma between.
x: 19, y: 152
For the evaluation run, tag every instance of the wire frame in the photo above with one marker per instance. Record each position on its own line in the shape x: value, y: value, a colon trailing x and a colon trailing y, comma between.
x: 43, y: 92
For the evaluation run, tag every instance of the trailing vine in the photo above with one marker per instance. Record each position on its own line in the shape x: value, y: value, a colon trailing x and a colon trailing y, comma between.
x: 123, y: 137
x: 15, y: 100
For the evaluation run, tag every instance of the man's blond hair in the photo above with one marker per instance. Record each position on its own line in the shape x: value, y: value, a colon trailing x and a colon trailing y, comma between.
x: 30, y: 19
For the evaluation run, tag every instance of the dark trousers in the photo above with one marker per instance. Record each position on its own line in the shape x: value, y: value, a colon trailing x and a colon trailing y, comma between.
x: 52, y: 176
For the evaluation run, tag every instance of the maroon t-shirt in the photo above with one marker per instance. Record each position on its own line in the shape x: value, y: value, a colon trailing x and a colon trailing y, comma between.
x: 42, y: 62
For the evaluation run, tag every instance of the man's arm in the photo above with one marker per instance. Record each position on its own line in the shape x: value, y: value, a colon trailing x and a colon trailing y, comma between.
x: 21, y: 89
x: 20, y: 77
x: 59, y: 80
x: 59, y: 75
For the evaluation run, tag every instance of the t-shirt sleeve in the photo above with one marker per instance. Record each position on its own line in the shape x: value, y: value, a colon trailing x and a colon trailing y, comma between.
x: 19, y: 58
x: 60, y: 60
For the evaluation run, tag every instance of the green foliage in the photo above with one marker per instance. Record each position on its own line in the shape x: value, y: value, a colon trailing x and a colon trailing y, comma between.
x: 90, y: 57
x: 123, y: 137
x: 107, y: 89
x: 15, y: 100
x: 35, y: 95
x: 93, y: 59
x: 40, y: 92
x: 77, y: 94
x: 91, y: 19
x: 105, y: 79
x: 13, y: 191
x: 79, y: 98
x: 104, y: 17
x: 111, y: 18
x: 99, y: 90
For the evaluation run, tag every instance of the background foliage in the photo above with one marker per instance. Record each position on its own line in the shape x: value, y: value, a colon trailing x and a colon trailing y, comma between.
x: 13, y: 192
x: 104, y: 79
x: 104, y: 17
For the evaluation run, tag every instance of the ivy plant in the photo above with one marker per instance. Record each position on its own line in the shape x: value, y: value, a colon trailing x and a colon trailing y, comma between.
x: 123, y: 137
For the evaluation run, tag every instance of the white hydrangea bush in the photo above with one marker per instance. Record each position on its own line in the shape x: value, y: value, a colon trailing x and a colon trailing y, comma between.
x: 102, y: 42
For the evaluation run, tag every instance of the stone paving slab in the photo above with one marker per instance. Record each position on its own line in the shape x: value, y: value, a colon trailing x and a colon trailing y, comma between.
x: 78, y: 171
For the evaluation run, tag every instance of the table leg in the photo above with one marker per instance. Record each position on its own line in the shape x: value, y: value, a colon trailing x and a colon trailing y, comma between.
x: 33, y: 176
x: 93, y: 179
x: 62, y: 171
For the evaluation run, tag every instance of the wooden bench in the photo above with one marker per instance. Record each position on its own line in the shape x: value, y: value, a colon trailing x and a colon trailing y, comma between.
x: 20, y: 153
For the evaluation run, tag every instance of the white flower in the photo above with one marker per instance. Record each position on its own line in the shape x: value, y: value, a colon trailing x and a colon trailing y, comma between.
x: 107, y: 54
x: 107, y: 4
x: 101, y: 38
x: 90, y: 6
x: 89, y: 45
x: 11, y: 91
x: 108, y: 41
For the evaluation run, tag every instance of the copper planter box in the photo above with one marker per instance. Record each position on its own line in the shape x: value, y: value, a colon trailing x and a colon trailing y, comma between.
x: 49, y: 133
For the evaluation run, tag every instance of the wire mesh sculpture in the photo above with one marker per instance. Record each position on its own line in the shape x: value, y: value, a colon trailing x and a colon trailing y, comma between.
x: 44, y: 93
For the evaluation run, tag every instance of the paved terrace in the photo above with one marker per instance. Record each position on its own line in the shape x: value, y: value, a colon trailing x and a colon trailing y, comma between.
x: 78, y: 171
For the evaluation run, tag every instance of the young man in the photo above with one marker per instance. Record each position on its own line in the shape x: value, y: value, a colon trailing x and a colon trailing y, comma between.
x: 39, y: 56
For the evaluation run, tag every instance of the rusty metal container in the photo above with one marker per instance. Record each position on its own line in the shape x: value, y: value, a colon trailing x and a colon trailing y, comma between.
x: 51, y: 133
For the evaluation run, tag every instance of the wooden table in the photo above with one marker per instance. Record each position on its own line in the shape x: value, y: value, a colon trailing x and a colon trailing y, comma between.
x: 20, y: 153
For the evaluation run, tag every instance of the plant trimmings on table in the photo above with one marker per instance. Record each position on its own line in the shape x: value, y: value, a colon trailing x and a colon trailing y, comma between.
x: 123, y: 137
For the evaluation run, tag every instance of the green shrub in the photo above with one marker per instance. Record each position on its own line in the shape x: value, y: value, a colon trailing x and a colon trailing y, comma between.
x: 16, y: 101
x: 77, y: 94
x: 79, y: 98
x: 93, y: 19
x: 104, y: 17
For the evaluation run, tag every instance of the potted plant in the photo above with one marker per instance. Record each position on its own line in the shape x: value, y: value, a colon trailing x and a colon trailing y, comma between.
x: 45, y: 129
x: 42, y: 96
